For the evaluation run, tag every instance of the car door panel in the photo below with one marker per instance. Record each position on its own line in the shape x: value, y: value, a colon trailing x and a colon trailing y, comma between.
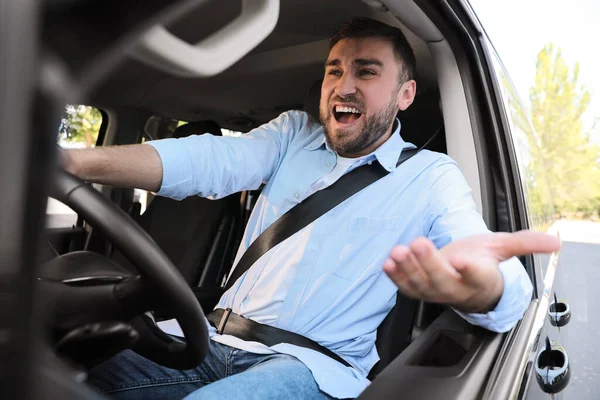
x: 449, y: 360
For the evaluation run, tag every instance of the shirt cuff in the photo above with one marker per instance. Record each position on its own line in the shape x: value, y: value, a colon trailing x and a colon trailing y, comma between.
x: 176, y: 166
x: 515, y: 299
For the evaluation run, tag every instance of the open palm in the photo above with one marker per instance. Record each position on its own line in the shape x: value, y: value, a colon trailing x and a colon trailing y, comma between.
x: 464, y: 273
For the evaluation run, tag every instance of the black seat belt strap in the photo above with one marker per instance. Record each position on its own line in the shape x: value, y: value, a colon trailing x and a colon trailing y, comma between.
x: 310, y: 209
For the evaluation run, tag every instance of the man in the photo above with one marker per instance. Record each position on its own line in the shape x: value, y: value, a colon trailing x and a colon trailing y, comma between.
x: 326, y: 282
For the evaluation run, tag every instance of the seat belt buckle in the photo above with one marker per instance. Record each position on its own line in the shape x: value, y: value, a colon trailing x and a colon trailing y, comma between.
x: 223, y: 321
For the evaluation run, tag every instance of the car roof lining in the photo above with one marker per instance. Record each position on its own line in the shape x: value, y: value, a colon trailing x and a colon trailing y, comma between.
x: 287, y: 62
x: 277, y: 74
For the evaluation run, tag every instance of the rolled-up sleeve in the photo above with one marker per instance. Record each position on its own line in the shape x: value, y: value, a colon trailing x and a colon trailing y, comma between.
x: 211, y: 166
x: 452, y: 215
x: 513, y: 303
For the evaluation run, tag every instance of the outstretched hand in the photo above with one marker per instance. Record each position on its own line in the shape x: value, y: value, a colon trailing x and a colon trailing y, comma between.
x: 464, y: 274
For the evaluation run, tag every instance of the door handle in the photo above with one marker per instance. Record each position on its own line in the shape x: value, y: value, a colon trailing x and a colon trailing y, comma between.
x: 552, y: 368
x: 160, y: 48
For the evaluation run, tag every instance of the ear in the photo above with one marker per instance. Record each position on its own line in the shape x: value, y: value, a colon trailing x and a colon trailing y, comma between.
x: 406, y: 94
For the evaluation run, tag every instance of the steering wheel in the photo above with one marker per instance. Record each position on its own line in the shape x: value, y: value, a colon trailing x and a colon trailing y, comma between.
x: 77, y: 277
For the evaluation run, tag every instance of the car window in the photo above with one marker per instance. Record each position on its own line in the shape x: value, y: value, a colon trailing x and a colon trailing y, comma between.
x: 79, y: 128
x: 538, y: 197
x: 227, y: 132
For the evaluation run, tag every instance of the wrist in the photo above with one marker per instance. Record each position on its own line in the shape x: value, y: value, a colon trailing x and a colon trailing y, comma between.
x: 68, y: 162
x: 487, y: 302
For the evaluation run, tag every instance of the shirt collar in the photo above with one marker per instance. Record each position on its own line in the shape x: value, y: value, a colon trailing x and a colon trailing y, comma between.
x: 387, y: 154
x: 318, y: 142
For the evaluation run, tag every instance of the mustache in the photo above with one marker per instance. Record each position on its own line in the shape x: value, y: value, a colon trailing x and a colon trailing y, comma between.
x: 352, y: 99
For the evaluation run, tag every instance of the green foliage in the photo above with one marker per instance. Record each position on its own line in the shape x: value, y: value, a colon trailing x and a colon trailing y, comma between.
x: 80, y: 124
x: 564, y: 170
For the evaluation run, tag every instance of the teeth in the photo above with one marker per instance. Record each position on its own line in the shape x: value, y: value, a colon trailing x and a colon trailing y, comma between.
x: 346, y: 109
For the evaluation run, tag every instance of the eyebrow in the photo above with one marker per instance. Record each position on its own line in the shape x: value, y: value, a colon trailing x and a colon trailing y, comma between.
x: 363, y: 62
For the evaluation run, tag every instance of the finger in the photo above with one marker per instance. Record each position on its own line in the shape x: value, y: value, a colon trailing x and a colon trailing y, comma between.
x: 407, y: 263
x: 507, y: 245
x: 391, y: 270
x: 439, y: 271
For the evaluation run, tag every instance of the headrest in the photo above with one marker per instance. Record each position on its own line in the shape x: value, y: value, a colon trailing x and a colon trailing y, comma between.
x: 422, y: 119
x: 312, y: 99
x: 198, y: 128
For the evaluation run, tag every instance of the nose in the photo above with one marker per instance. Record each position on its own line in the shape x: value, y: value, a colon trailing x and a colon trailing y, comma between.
x: 346, y: 85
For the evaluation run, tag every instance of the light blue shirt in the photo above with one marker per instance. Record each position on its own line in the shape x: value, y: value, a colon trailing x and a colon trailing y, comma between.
x: 326, y: 282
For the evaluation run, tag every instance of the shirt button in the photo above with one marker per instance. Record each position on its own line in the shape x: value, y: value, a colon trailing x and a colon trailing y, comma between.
x: 328, y: 164
x: 370, y: 162
x: 296, y: 195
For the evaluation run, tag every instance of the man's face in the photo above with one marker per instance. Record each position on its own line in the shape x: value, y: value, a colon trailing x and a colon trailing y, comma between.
x: 361, y: 95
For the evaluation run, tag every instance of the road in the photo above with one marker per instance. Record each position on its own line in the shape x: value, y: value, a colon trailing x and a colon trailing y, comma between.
x: 578, y: 282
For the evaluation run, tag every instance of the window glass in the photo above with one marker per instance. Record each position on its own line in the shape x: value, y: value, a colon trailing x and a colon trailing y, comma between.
x: 79, y: 128
x: 227, y: 132
x: 533, y: 174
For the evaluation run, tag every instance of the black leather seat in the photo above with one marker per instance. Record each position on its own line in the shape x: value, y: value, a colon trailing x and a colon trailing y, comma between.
x: 419, y: 122
x: 199, y: 235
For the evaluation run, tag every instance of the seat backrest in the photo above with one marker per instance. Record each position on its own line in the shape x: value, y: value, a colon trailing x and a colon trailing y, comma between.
x: 394, y: 333
x: 197, y: 128
x: 195, y: 233
x: 419, y: 122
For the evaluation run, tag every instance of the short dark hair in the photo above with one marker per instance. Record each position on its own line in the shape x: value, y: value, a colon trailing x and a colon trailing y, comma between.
x: 366, y: 27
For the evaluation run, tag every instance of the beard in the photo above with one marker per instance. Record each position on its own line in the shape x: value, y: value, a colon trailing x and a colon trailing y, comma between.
x: 347, y: 141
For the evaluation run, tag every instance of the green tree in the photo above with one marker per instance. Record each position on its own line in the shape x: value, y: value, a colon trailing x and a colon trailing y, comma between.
x: 80, y: 124
x: 562, y: 151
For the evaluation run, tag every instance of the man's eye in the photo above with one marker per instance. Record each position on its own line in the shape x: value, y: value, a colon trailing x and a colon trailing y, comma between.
x: 335, y: 72
x: 366, y: 72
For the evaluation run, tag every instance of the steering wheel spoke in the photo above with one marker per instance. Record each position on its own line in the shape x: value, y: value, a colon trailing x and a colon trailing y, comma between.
x: 107, y: 290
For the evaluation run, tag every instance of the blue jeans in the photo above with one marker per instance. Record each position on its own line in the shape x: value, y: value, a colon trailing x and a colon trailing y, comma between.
x: 226, y: 373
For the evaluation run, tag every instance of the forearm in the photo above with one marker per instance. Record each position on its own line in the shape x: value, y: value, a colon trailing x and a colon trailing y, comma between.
x: 209, y: 166
x: 134, y: 166
x: 516, y: 296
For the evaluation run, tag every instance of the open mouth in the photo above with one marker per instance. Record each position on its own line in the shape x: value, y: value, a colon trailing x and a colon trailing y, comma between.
x: 346, y: 114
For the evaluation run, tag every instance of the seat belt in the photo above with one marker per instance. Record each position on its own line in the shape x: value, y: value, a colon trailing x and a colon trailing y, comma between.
x: 311, y: 208
x: 299, y: 217
x: 285, y: 226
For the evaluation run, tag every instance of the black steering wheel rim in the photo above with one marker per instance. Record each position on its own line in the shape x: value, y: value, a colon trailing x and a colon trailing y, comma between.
x: 149, y: 260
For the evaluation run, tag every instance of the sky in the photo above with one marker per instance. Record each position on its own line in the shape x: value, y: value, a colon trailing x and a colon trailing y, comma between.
x: 519, y: 29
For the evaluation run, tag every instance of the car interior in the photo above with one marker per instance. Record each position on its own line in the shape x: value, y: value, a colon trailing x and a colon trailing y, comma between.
x: 200, y: 236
